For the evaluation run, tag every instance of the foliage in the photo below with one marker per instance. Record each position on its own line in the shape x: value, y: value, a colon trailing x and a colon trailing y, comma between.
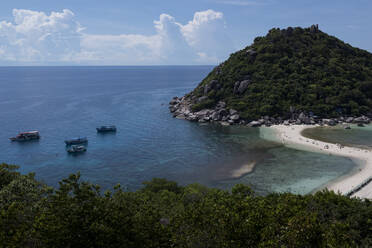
x: 164, y: 214
x: 306, y: 69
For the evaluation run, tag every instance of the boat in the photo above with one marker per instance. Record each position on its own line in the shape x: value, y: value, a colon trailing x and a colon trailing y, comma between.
x: 80, y: 140
x: 77, y: 149
x: 104, y: 129
x: 26, y: 136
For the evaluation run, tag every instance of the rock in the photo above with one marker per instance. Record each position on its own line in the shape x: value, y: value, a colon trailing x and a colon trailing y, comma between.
x: 314, y: 28
x: 236, y: 87
x: 254, y: 124
x: 240, y: 87
x: 349, y: 119
x: 174, y: 101
x: 215, y: 116
x: 235, y: 117
x: 233, y: 111
x: 329, y: 122
x: 202, y: 113
x: 223, y: 112
x: 202, y: 98
x: 181, y: 116
x: 362, y: 120
x: 243, y: 86
x: 251, y: 52
x: 225, y: 123
x: 172, y: 109
x: 286, y: 122
x: 326, y: 147
x: 221, y: 105
x: 261, y: 121
x: 212, y: 85
x: 298, y: 122
x: 230, y: 121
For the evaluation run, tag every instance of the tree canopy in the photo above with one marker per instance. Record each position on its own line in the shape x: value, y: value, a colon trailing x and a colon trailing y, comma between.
x: 165, y: 214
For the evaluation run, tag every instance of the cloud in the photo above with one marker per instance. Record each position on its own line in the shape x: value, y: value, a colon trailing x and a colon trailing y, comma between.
x: 36, y: 37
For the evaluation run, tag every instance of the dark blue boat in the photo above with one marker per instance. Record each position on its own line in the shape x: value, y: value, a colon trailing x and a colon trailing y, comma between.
x: 80, y: 140
x: 105, y: 129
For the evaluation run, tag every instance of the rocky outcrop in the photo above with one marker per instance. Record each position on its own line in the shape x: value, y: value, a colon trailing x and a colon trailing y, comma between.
x: 240, y: 87
x: 212, y: 85
x: 181, y: 108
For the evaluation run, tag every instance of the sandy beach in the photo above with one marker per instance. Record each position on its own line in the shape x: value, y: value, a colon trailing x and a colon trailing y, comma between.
x: 291, y: 136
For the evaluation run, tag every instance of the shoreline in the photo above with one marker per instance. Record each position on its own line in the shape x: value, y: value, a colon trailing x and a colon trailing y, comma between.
x: 291, y: 136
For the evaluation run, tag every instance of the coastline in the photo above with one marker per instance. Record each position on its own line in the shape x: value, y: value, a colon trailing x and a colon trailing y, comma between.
x: 291, y: 136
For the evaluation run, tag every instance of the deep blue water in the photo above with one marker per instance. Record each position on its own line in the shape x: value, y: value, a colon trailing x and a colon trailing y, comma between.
x: 66, y: 102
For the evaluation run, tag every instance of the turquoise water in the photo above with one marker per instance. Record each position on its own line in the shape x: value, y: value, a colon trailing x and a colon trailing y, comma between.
x: 356, y: 136
x: 65, y: 102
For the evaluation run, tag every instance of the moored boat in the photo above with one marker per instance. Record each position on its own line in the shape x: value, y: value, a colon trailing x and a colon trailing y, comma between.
x: 77, y: 149
x: 26, y: 136
x: 76, y: 141
x: 104, y: 129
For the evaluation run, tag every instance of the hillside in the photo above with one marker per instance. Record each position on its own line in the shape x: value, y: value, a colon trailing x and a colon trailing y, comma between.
x: 164, y: 214
x: 290, y: 70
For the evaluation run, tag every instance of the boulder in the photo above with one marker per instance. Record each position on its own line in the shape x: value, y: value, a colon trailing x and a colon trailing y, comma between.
x: 235, y: 117
x: 286, y: 122
x: 243, y: 86
x: 181, y: 116
x: 236, y: 87
x: 221, y: 105
x: 174, y: 101
x: 251, y: 52
x: 254, y: 124
x: 225, y: 123
x: 362, y: 120
x: 349, y: 119
x: 201, y: 99
x: 212, y: 85
x: 223, y: 112
x: 233, y: 111
x: 240, y: 87
x: 215, y: 116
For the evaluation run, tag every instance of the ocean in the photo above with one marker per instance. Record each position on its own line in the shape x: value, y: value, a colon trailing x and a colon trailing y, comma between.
x: 67, y: 102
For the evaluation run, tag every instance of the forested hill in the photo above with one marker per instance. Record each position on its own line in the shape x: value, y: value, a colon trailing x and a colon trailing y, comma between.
x: 300, y: 67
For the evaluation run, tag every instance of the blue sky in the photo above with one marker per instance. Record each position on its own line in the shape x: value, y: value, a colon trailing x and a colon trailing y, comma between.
x: 113, y: 32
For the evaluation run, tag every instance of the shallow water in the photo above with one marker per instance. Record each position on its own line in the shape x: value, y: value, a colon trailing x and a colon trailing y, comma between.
x: 356, y: 136
x: 65, y: 102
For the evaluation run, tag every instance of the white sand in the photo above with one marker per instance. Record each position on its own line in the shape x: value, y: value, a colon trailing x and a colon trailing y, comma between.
x: 291, y: 136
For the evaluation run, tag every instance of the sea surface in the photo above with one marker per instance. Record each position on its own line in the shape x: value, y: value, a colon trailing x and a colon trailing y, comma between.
x: 67, y: 102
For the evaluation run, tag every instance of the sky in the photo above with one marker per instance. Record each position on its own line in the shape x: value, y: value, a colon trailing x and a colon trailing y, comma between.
x: 162, y: 32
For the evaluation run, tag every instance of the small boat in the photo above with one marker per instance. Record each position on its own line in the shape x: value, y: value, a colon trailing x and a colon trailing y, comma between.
x: 104, y: 129
x: 80, y: 140
x: 26, y: 136
x: 77, y: 149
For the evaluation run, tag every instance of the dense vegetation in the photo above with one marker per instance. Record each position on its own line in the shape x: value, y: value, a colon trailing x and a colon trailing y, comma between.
x: 163, y: 214
x: 303, y: 68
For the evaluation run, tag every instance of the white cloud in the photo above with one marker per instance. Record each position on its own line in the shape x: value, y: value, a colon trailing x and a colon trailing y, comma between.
x: 40, y: 38
x: 35, y: 36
